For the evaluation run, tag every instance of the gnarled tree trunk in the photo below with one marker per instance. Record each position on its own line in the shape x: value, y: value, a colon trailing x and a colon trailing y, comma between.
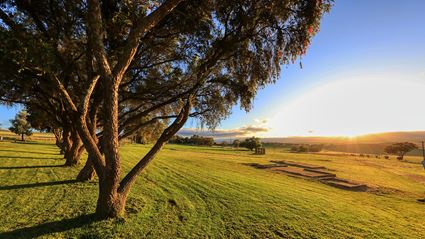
x: 59, y: 140
x: 66, y: 142
x: 74, y: 154
x: 112, y: 193
x: 88, y: 172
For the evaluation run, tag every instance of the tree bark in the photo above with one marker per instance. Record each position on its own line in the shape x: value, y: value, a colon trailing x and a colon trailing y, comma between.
x: 110, y: 203
x: 66, y: 142
x: 59, y: 140
x: 75, y: 151
x: 88, y: 172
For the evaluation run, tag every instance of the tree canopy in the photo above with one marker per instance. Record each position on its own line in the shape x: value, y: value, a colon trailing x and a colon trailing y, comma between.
x: 400, y: 149
x: 20, y: 124
x: 112, y: 68
x: 251, y: 143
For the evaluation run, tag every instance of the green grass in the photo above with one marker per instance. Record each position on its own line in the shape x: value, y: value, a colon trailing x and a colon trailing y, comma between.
x: 201, y: 192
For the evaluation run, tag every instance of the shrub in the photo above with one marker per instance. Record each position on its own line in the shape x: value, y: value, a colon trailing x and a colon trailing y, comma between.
x: 251, y: 143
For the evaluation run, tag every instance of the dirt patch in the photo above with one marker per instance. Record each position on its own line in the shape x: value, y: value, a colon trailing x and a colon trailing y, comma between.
x: 381, y: 191
x: 416, y: 178
x: 263, y: 166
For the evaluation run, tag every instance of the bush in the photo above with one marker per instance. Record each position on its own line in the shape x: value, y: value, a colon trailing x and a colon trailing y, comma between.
x: 251, y: 143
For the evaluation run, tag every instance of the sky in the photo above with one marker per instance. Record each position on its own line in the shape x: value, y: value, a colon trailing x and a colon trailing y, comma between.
x: 363, y: 73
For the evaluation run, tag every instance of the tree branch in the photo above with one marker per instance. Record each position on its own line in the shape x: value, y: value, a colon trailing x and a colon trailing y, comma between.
x: 64, y: 92
x: 142, y: 26
x: 95, y: 33
x: 86, y: 99
x: 6, y: 19
x: 181, y: 119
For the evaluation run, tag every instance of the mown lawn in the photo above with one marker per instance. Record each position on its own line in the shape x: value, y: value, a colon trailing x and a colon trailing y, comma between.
x: 199, y: 192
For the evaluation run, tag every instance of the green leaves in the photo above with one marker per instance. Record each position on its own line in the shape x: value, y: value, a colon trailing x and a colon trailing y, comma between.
x: 20, y: 125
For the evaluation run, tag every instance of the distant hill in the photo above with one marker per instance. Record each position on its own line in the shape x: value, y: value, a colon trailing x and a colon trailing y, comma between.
x: 367, y: 144
x: 378, y: 138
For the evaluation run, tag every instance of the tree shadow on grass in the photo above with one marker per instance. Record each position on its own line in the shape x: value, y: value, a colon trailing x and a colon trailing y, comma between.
x: 34, y: 185
x: 50, y: 227
x: 28, y: 152
x: 34, y: 166
x: 34, y: 143
x: 26, y: 157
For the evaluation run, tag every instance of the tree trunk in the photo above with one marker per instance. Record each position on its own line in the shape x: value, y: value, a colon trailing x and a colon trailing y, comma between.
x: 22, y: 137
x: 88, y: 172
x: 66, y: 143
x: 59, y: 140
x: 60, y: 146
x: 74, y: 154
x: 110, y: 203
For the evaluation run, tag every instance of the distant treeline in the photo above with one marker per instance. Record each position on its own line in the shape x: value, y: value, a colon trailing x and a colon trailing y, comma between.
x: 314, y: 148
x: 193, y: 140
x: 298, y: 148
x: 358, y: 148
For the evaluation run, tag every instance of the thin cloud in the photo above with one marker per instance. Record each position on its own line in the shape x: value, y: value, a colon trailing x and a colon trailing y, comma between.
x: 224, y: 133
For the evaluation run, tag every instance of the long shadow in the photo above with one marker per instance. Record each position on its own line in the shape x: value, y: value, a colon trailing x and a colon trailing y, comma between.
x: 34, y: 142
x: 50, y: 227
x: 26, y: 157
x: 28, y: 152
x: 35, y: 166
x: 34, y: 185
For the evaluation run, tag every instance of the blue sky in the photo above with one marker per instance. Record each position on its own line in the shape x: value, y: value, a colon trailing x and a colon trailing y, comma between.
x: 367, y: 61
x: 377, y: 43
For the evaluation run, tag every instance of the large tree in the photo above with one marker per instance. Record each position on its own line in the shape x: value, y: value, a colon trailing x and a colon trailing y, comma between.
x: 117, y: 62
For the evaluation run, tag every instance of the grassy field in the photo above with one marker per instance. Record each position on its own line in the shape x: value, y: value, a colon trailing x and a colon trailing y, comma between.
x: 200, y: 192
x: 36, y: 136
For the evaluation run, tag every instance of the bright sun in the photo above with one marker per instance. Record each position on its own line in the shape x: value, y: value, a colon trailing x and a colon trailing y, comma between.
x: 352, y: 107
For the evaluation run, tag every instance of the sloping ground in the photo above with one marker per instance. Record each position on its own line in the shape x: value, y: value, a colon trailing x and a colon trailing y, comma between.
x: 200, y: 192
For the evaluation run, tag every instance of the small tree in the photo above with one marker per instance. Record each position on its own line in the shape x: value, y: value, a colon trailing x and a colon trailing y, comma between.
x: 400, y: 149
x: 251, y: 143
x: 236, y: 143
x: 20, y: 125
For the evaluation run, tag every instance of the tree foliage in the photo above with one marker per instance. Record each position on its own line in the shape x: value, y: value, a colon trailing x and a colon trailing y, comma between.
x: 193, y: 140
x: 113, y: 68
x: 251, y: 143
x: 400, y: 149
x: 20, y: 124
x: 236, y: 143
